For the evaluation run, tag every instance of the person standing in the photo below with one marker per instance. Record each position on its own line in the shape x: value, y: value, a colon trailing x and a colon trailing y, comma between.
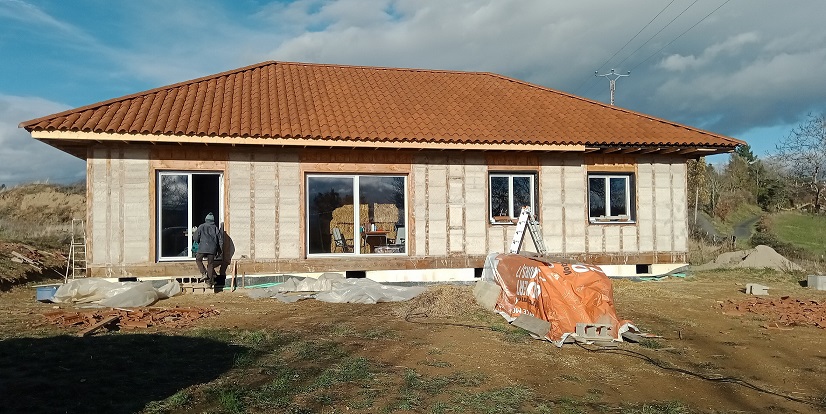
x: 210, y: 242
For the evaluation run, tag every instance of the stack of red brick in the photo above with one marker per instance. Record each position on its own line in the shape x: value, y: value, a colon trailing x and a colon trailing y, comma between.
x: 89, y: 321
x: 784, y: 311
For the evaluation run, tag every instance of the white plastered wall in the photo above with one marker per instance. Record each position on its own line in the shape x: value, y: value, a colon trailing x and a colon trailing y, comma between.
x: 263, y: 197
x: 119, y: 206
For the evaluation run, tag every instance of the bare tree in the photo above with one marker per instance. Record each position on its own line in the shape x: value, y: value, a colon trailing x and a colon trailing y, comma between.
x: 803, y: 153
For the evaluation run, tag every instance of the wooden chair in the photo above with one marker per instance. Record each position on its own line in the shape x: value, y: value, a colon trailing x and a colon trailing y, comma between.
x: 341, y: 241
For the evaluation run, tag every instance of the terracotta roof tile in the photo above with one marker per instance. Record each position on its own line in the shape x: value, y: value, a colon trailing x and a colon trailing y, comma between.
x: 335, y: 102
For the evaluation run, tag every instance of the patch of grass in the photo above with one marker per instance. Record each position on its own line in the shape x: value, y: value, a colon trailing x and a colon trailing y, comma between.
x: 279, y: 392
x: 348, y: 370
x: 651, y: 344
x: 435, y: 363
x: 498, y: 401
x: 440, y: 384
x: 670, y: 407
x: 806, y: 231
x: 568, y: 377
x: 324, y: 350
x: 177, y: 401
x: 510, y: 334
x: 243, y: 359
x: 231, y: 401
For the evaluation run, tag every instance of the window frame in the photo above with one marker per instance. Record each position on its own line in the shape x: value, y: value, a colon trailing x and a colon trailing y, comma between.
x: 192, y: 222
x: 630, y: 198
x: 512, y: 214
x: 357, y: 236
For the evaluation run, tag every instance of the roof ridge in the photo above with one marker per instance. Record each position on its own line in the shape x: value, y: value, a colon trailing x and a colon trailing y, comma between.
x: 612, y: 107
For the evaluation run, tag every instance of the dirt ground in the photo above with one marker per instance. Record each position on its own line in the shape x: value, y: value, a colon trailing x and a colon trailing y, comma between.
x: 710, y: 358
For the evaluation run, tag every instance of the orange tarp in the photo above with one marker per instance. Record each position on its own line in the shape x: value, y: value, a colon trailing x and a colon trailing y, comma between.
x: 563, y: 294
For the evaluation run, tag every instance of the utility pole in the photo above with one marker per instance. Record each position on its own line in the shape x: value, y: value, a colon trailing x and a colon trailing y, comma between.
x: 612, y: 79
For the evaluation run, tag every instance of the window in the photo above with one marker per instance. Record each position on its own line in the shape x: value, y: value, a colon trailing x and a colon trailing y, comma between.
x: 609, y: 198
x: 184, y: 200
x: 356, y: 214
x: 509, y: 193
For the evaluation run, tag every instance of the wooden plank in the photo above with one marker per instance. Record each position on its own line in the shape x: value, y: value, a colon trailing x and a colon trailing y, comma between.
x: 105, y: 321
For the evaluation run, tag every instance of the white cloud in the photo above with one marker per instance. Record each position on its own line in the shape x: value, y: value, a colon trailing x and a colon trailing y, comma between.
x: 25, y: 159
x: 731, y: 46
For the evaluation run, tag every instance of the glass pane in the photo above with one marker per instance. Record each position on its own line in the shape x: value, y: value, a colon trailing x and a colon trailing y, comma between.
x: 330, y: 215
x: 619, y: 196
x: 382, y: 213
x: 596, y: 197
x: 521, y: 194
x: 174, y: 215
x: 499, y: 196
x: 206, y: 198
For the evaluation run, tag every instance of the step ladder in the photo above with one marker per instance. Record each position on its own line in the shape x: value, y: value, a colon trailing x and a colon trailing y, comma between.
x: 526, y: 218
x: 76, y: 261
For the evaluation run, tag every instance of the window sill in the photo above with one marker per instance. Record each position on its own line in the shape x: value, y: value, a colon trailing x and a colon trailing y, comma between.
x: 611, y: 220
x: 503, y: 220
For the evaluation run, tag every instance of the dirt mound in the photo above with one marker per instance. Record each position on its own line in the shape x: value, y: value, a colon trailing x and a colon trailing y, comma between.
x: 43, y: 203
x: 441, y: 301
x: 757, y: 258
x: 35, y: 224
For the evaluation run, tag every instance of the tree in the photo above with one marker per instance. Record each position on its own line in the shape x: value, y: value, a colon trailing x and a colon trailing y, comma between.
x: 803, y: 153
x: 698, y: 189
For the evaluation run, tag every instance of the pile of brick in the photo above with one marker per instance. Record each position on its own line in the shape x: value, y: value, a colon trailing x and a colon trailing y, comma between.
x: 782, y: 312
x: 126, y: 319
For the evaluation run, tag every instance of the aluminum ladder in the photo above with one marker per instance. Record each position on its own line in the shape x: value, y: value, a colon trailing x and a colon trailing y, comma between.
x: 76, y: 261
x: 527, y: 219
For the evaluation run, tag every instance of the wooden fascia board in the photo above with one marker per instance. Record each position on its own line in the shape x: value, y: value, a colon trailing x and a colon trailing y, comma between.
x: 55, y: 136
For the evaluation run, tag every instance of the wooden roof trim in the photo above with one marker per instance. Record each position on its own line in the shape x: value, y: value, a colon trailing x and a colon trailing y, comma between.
x: 56, y: 136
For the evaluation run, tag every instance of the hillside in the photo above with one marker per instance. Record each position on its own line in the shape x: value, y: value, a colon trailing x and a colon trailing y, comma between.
x: 35, y: 224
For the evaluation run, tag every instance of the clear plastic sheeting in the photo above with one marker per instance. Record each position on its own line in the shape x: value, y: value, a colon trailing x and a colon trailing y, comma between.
x: 334, y: 288
x: 104, y: 293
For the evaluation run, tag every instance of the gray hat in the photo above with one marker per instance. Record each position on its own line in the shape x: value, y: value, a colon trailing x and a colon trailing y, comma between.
x: 210, y: 217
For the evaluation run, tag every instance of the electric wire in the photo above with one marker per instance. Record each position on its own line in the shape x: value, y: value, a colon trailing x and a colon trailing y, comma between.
x: 651, y: 38
x: 658, y: 32
x: 729, y: 380
x: 411, y: 317
x: 626, y: 44
x: 681, y: 34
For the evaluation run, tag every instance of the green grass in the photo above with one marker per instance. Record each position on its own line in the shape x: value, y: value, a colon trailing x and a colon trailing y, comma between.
x: 802, y: 230
x: 275, y: 371
x: 742, y: 213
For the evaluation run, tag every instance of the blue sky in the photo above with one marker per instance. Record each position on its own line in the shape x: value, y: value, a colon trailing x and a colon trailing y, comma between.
x: 750, y: 69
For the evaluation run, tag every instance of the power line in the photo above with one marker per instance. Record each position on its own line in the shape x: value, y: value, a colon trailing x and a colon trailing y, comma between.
x: 658, y: 32
x: 681, y: 34
x: 626, y: 43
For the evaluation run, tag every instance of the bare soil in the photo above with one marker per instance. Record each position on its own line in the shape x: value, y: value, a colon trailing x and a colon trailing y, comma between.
x: 711, y: 357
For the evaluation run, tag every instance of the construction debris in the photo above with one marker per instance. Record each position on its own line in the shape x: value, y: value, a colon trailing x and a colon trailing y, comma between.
x: 817, y: 282
x: 783, y: 312
x: 757, y: 290
x: 759, y: 257
x: 124, y: 319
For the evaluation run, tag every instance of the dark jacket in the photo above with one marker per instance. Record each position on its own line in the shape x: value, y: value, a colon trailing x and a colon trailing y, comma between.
x: 209, y: 238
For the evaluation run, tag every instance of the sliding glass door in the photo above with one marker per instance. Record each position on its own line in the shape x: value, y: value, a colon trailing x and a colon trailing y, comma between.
x: 356, y: 214
x: 184, y: 199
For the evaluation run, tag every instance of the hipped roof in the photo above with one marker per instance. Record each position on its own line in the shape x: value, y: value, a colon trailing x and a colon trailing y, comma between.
x: 361, y: 105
